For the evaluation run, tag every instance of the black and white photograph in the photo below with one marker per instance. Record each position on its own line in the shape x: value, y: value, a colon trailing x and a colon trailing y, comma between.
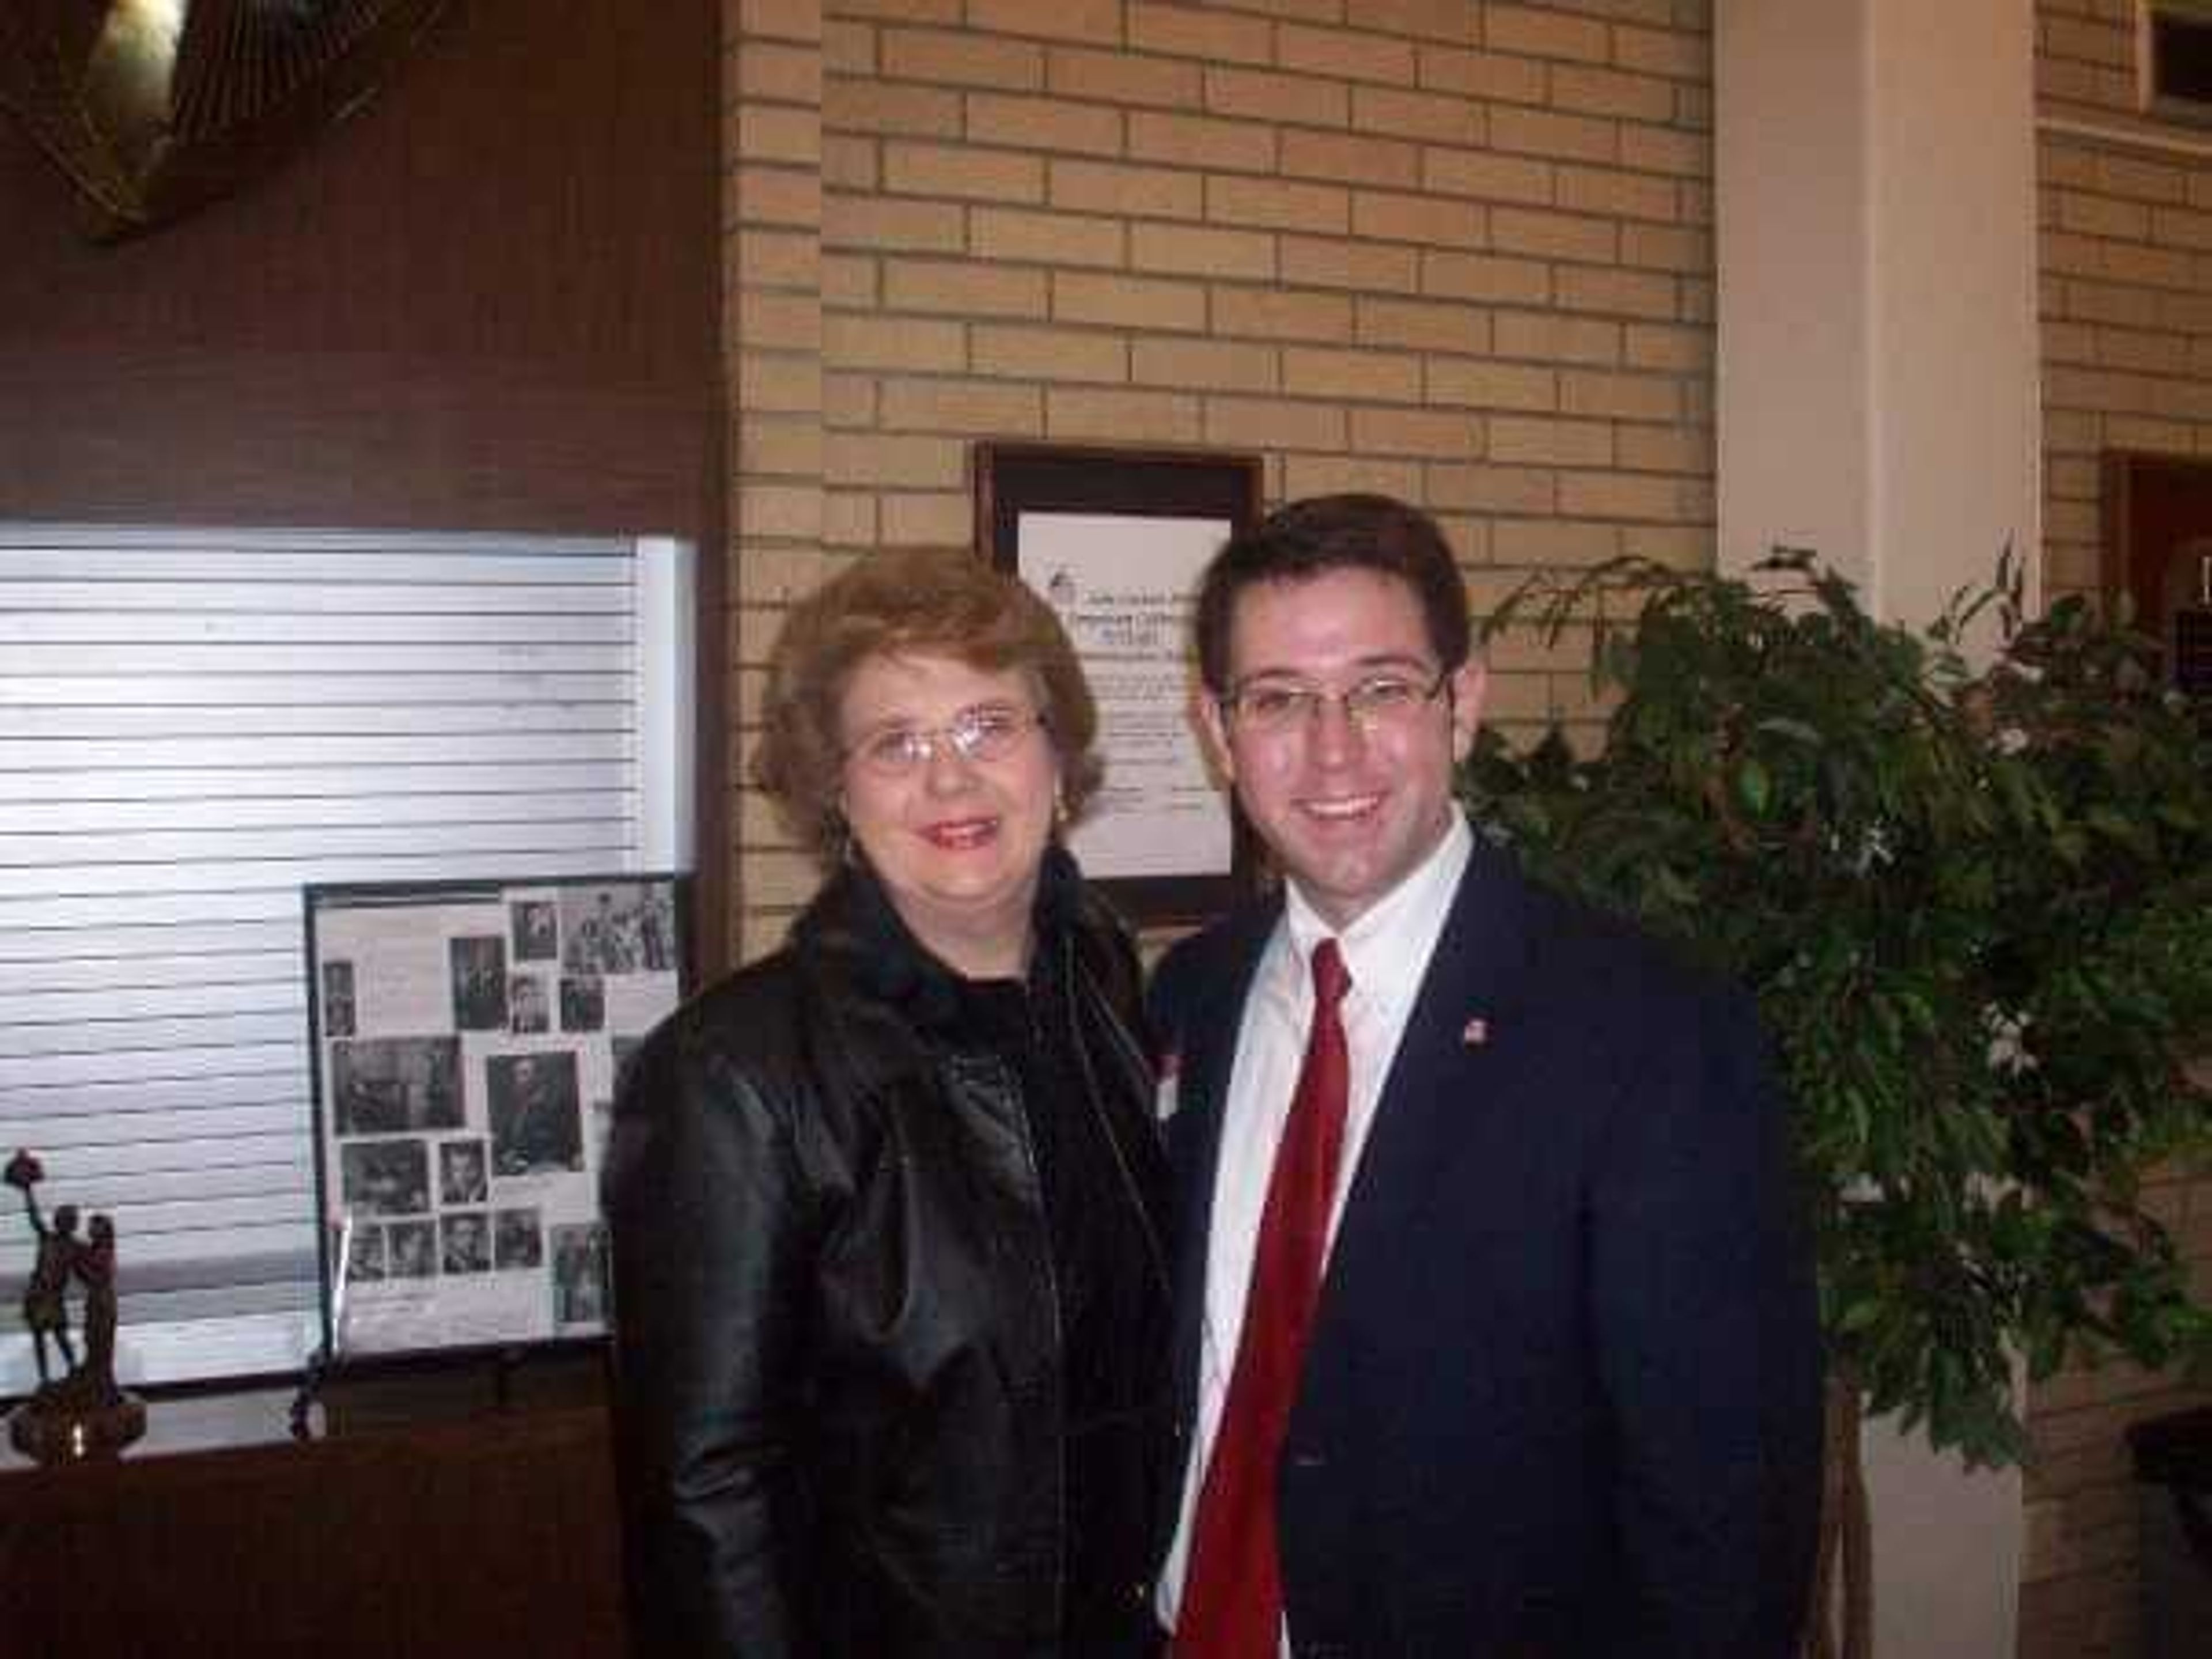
x: 338, y: 999
x: 479, y: 968
x: 462, y: 1175
x: 395, y: 1085
x: 386, y: 1177
x: 583, y: 1003
x: 464, y: 1242
x: 625, y: 927
x: 414, y: 1248
x: 526, y: 1012
x: 534, y: 930
x: 536, y: 1113
x: 364, y: 1254
x: 579, y: 1275
x: 656, y: 913
x: 518, y: 1239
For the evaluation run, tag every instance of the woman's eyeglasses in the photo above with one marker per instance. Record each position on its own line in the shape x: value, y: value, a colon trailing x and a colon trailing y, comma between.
x: 988, y: 731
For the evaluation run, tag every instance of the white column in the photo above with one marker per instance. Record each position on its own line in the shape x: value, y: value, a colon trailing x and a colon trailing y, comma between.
x: 1794, y: 389
x: 1878, y: 355
x: 1877, y: 401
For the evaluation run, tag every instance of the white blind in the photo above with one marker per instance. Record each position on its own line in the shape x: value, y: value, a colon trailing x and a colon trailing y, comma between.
x: 194, y: 724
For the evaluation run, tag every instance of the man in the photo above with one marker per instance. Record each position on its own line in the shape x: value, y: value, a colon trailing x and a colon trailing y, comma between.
x: 1498, y: 1332
x: 467, y: 1243
x: 535, y: 1123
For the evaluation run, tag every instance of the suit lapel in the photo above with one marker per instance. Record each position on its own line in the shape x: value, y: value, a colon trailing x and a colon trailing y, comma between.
x: 1458, y: 1039
x: 1207, y: 1025
x: 1476, y: 974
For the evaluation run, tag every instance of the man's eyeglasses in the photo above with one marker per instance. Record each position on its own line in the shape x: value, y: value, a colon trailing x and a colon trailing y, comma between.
x: 988, y: 731
x: 1270, y: 706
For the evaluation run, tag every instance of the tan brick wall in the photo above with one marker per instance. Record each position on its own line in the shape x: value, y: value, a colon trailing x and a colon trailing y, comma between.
x: 2126, y: 312
x: 1459, y: 252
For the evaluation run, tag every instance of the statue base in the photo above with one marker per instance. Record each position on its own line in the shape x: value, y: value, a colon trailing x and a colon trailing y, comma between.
x: 64, y: 1423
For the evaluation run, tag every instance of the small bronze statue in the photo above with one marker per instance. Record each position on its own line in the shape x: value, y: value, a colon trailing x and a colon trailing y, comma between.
x: 80, y: 1412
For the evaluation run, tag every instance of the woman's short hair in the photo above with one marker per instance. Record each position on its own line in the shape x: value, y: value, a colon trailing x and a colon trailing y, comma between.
x: 910, y: 602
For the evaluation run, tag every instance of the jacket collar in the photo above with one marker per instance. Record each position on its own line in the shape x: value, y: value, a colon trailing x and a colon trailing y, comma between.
x: 854, y: 932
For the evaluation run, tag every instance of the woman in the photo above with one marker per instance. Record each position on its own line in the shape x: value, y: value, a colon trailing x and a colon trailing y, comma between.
x: 890, y: 1282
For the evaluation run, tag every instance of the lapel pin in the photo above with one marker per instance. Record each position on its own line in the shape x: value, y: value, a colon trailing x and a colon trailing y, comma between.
x: 1164, y: 1100
x: 1475, y: 1033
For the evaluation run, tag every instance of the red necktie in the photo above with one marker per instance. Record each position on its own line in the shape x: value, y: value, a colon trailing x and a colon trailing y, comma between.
x: 1232, y: 1599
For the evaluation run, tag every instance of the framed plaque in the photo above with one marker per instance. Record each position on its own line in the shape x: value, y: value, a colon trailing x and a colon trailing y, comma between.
x: 1114, y: 541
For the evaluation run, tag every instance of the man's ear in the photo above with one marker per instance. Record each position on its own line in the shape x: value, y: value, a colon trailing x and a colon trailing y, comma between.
x: 1213, y: 733
x: 1469, y: 681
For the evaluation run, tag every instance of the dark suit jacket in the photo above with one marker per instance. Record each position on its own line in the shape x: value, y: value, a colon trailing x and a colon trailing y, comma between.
x: 1563, y: 1394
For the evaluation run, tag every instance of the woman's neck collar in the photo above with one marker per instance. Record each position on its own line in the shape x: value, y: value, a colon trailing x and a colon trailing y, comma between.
x: 986, y: 952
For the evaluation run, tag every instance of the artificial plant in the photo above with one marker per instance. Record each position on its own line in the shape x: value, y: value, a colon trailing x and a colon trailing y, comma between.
x: 1975, y: 905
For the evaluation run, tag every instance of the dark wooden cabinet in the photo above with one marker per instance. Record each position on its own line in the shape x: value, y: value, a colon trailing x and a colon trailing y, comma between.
x: 491, y: 1533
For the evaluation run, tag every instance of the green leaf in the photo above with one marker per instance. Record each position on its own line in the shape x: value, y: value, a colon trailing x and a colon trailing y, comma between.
x: 1754, y: 786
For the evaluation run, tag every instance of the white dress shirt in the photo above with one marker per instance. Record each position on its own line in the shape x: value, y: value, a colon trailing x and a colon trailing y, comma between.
x: 1386, y: 951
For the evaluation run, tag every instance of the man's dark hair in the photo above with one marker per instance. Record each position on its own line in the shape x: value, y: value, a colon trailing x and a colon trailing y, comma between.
x: 1322, y: 533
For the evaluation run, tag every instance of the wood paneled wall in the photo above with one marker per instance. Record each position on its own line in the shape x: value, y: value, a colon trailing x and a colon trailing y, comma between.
x: 489, y: 299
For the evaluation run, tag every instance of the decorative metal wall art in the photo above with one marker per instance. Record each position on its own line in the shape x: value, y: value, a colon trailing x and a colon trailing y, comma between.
x: 155, y: 107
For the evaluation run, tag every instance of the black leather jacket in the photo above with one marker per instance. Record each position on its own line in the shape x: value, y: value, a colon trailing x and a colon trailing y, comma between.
x: 839, y: 1378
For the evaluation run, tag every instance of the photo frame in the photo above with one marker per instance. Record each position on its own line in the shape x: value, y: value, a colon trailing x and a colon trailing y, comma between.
x: 467, y: 1039
x: 1114, y: 540
x: 2158, y: 550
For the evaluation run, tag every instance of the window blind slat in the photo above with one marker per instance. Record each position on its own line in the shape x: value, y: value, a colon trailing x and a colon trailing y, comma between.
x: 151, y: 1158
x: 182, y: 1310
x: 114, y: 975
x: 119, y: 597
x: 212, y: 1182
x: 177, y: 1314
x: 214, y: 990
x: 387, y: 568
x: 493, y: 683
x: 54, y: 914
x: 401, y: 766
x: 484, y: 854
x: 243, y: 1253
x: 342, y: 630
x: 202, y: 1216
x: 169, y: 724
x: 145, y: 1040
x: 224, y: 815
x: 183, y: 940
x: 63, y: 1072
x: 57, y: 672
x: 83, y: 855
x: 177, y: 1108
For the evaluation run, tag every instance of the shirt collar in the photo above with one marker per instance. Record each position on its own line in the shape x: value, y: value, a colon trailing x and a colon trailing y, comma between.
x: 1386, y: 948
